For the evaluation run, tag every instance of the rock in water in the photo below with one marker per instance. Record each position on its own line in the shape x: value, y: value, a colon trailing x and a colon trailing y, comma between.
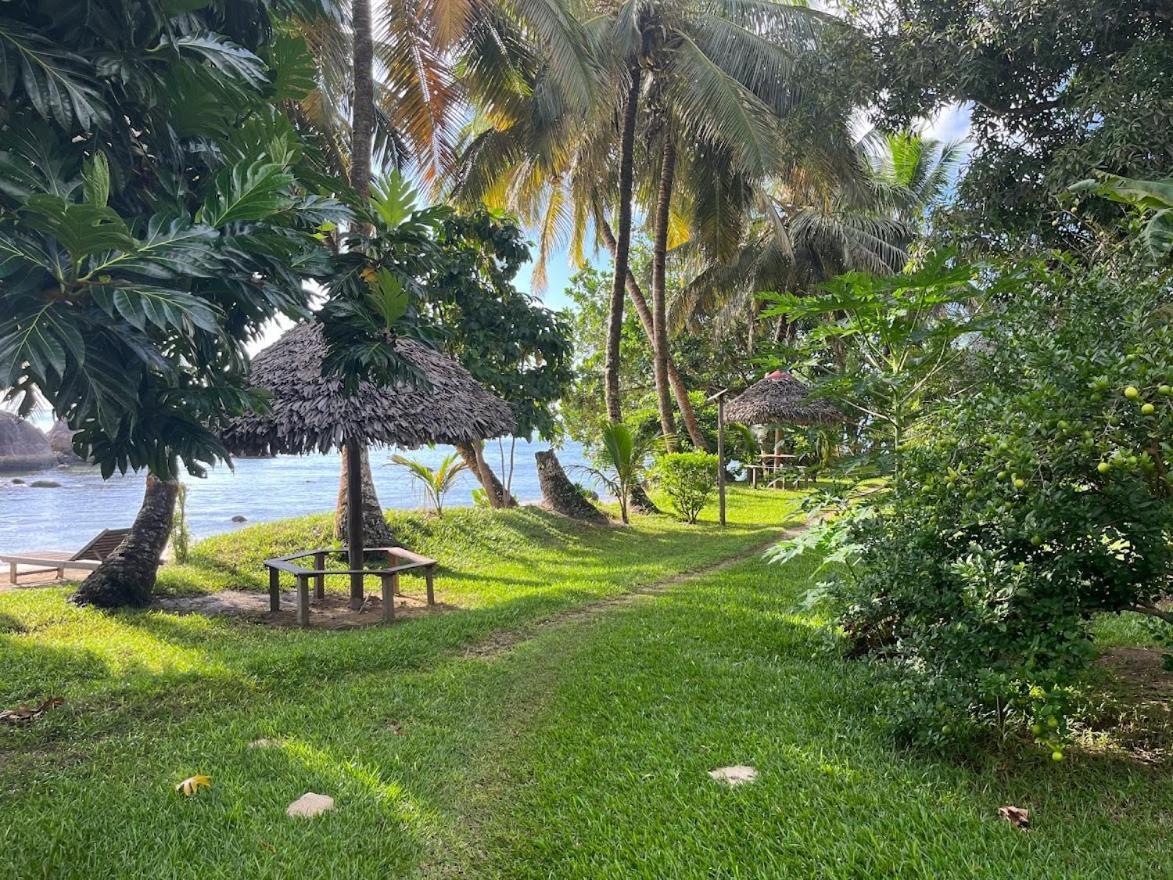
x: 309, y: 805
x: 239, y: 519
x: 23, y: 446
x: 61, y: 442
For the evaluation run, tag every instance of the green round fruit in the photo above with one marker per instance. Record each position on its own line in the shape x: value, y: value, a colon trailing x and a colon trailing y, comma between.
x: 1052, y: 722
x: 1056, y: 756
x: 1148, y: 409
x: 1165, y: 390
x: 1019, y: 483
x: 1103, y: 467
x: 1132, y: 392
x: 1036, y: 540
x: 1036, y: 729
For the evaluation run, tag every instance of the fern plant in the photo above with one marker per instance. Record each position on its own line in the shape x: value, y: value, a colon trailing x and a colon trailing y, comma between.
x: 436, y: 482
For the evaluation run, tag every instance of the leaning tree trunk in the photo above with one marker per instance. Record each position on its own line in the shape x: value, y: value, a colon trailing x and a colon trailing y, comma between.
x: 376, y: 532
x: 126, y: 578
x: 679, y: 391
x: 622, y: 249
x: 640, y: 501
x: 473, y: 457
x: 659, y: 326
x: 561, y: 495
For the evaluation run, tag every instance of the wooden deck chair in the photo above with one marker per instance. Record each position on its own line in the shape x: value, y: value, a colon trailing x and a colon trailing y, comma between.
x: 87, y: 558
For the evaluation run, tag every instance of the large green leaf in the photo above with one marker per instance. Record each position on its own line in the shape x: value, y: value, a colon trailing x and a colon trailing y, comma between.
x: 222, y: 54
x: 248, y: 191
x: 42, y: 341
x: 58, y: 84
x: 169, y: 249
x: 83, y: 230
x: 169, y: 310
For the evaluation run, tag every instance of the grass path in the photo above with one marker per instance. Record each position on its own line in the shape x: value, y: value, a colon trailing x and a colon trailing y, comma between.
x: 598, y: 769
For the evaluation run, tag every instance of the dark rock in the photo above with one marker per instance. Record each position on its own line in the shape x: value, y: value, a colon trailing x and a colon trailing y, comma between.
x: 18, y: 481
x: 45, y: 484
x: 23, y: 446
x: 239, y: 518
x: 61, y: 442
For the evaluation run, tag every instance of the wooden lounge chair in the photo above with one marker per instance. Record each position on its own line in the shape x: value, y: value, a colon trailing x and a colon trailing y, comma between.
x: 87, y: 558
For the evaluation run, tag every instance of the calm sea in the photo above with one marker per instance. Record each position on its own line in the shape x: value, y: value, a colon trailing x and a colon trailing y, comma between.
x: 65, y: 517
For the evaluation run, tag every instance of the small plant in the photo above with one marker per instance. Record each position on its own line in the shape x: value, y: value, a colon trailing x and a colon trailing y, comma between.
x: 180, y: 533
x: 624, y: 456
x: 436, y: 482
x: 687, y: 478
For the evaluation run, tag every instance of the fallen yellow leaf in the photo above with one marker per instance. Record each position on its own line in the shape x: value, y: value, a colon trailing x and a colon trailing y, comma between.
x: 193, y: 784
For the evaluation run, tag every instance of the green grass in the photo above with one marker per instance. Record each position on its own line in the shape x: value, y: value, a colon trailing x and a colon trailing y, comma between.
x: 579, y: 752
x: 153, y: 697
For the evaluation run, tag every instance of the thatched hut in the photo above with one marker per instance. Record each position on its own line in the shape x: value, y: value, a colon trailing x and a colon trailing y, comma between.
x: 780, y: 398
x: 309, y: 412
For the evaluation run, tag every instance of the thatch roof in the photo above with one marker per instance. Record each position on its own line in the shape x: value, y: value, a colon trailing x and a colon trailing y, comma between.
x: 309, y: 412
x: 780, y: 398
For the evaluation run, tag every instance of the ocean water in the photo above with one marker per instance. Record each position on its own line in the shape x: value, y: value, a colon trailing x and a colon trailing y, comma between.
x: 259, y: 489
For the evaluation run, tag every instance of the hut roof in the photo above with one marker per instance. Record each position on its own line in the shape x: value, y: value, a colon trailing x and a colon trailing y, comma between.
x: 780, y: 398
x: 309, y: 412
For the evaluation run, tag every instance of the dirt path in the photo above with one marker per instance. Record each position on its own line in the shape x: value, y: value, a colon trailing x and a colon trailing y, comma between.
x: 505, y: 640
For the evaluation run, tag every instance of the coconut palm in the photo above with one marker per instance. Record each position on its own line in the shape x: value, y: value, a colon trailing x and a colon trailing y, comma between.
x: 436, y: 482
x: 703, y: 81
x: 804, y: 229
x: 624, y: 463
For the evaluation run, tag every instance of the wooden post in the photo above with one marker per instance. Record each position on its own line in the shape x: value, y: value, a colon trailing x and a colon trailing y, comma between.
x: 274, y: 590
x: 320, y: 580
x: 303, y: 600
x: 720, y: 398
x: 429, y: 579
x: 390, y: 588
x: 354, y: 520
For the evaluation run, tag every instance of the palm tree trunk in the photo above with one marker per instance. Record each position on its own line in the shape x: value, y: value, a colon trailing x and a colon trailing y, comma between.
x: 473, y: 457
x: 679, y: 391
x: 622, y: 249
x: 659, y: 326
x: 126, y: 578
x: 376, y: 532
x: 363, y: 107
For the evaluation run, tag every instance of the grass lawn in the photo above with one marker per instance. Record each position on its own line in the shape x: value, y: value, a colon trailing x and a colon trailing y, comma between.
x: 478, y: 743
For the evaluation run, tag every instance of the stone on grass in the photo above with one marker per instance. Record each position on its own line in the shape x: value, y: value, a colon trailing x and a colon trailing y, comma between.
x: 738, y: 774
x: 309, y: 805
x: 264, y: 743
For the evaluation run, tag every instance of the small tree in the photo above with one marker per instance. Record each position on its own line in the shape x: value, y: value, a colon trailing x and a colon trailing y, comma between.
x: 436, y: 482
x: 624, y: 457
x: 180, y: 531
x: 687, y: 478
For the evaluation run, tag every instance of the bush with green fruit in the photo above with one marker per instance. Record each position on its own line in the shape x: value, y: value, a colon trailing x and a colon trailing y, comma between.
x: 688, y: 479
x: 1036, y: 496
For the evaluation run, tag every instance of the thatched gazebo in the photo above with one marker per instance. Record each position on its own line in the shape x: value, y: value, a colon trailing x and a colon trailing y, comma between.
x: 309, y: 412
x: 778, y: 399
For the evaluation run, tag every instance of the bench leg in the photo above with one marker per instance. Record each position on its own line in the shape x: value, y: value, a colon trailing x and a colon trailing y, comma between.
x: 430, y: 580
x: 274, y: 590
x: 12, y: 572
x: 303, y: 600
x: 390, y: 584
x: 319, y: 580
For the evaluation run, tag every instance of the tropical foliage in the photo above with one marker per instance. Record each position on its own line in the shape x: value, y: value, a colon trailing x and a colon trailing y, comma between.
x: 435, y: 482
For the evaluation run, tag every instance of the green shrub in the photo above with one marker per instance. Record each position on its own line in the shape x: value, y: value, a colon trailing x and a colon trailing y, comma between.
x: 688, y: 479
x: 1033, y: 500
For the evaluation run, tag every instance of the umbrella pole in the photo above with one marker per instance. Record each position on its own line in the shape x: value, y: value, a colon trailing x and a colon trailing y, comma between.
x: 354, y: 520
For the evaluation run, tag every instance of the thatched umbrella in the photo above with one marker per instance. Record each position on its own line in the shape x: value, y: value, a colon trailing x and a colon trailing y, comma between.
x: 780, y: 398
x: 309, y: 412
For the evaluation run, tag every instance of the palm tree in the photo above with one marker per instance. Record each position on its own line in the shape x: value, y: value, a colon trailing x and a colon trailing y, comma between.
x: 435, y: 482
x: 685, y: 78
x: 624, y: 464
x: 808, y: 227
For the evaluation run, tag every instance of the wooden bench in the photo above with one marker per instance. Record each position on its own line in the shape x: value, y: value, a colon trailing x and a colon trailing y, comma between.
x: 388, y: 577
x: 87, y: 558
